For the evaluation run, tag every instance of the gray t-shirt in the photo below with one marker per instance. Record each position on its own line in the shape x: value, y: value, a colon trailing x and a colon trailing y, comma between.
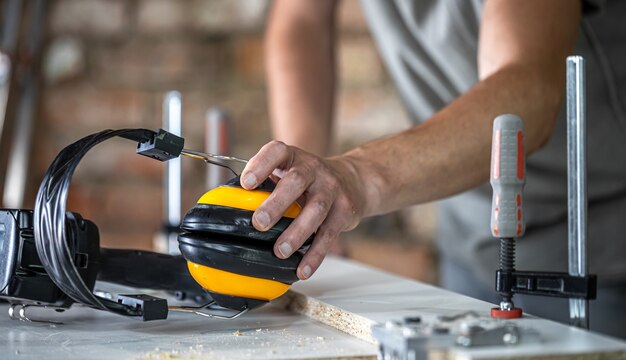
x: 430, y: 50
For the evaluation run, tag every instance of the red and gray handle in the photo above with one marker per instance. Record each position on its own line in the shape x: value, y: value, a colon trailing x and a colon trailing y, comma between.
x: 508, y: 168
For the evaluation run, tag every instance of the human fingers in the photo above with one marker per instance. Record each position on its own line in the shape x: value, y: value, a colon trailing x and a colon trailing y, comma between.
x: 271, y: 156
x: 308, y: 221
x: 289, y: 189
x: 341, y: 217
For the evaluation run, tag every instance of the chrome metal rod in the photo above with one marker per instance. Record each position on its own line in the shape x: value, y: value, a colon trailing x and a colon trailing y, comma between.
x: 172, y: 122
x: 205, y: 156
x: 5, y: 82
x: 216, y: 142
x: 576, y: 184
x: 21, y: 146
x: 12, y: 11
x: 9, y: 32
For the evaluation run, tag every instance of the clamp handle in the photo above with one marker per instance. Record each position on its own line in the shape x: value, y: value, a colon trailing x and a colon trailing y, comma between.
x: 508, y: 169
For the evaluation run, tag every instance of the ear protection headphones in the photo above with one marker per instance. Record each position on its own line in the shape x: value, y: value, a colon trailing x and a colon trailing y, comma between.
x: 221, y: 251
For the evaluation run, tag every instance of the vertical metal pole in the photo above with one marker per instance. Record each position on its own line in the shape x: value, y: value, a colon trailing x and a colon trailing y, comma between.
x: 216, y: 142
x: 5, y: 83
x: 8, y: 43
x: 172, y: 122
x: 17, y: 168
x: 576, y: 184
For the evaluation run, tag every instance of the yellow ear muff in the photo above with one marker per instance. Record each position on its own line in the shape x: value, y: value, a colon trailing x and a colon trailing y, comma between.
x: 233, y: 261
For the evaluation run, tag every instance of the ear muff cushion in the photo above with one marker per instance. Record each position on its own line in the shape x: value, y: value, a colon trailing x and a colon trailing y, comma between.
x: 217, y: 219
x: 238, y: 256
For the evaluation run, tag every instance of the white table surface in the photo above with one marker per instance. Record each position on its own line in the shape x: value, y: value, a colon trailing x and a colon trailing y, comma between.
x: 275, y: 333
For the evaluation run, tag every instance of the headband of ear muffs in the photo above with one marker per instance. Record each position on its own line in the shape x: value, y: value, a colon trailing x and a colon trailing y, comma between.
x: 227, y: 256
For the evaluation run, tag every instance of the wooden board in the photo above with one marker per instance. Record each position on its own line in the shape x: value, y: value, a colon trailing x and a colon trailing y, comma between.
x: 351, y: 297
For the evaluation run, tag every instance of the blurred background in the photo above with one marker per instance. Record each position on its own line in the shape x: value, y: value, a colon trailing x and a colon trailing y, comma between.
x: 74, y: 67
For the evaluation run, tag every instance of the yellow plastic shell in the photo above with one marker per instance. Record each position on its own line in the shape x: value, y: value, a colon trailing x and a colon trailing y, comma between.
x: 227, y: 283
x: 240, y: 198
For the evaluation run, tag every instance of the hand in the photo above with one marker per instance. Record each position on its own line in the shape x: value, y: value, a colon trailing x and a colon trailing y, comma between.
x: 327, y: 189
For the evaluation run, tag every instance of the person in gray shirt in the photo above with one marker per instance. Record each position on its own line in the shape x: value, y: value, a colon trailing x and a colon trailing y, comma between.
x: 457, y: 64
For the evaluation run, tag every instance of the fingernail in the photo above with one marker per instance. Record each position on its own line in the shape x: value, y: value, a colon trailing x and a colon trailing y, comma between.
x: 306, y: 271
x: 285, y: 249
x: 249, y: 180
x: 262, y: 219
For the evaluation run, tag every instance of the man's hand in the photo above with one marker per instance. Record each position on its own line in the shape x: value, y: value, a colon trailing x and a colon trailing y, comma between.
x: 328, y: 190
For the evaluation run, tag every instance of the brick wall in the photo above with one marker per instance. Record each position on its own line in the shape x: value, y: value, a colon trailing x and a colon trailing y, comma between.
x: 108, y: 64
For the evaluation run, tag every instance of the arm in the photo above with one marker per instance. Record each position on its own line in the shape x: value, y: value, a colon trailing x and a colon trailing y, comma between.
x: 300, y: 48
x: 523, y: 45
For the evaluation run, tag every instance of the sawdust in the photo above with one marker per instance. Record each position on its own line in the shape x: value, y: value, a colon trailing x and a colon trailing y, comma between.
x: 193, y: 353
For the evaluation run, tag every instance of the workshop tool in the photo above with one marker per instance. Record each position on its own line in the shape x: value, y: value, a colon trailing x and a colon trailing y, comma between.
x: 28, y: 94
x: 51, y: 258
x: 172, y: 123
x: 507, y: 178
x: 508, y: 168
x: 576, y: 184
x: 507, y: 224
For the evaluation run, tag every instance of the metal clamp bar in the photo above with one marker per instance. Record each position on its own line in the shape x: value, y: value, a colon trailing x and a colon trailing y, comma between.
x: 576, y: 183
x: 543, y: 283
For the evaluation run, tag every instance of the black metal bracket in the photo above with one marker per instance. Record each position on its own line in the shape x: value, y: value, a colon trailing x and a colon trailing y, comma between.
x: 551, y: 284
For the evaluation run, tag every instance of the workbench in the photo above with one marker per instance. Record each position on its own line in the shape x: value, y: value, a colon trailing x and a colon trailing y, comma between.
x: 342, y: 293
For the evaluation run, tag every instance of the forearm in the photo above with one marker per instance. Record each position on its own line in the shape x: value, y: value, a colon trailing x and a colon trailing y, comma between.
x: 301, y: 73
x: 450, y: 153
